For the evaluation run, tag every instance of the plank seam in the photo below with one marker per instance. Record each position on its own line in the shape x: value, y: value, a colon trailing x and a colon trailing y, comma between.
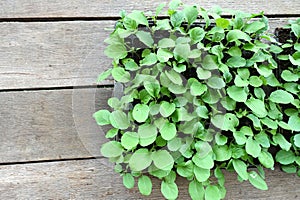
x: 56, y: 88
x: 58, y: 19
x: 50, y: 161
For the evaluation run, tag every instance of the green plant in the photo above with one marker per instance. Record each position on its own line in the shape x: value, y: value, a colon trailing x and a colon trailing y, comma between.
x: 289, y: 59
x: 200, y: 97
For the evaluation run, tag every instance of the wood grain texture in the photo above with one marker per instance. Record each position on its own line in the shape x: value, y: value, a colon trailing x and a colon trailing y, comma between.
x: 47, y: 125
x: 111, y: 8
x: 95, y: 179
x: 57, y: 54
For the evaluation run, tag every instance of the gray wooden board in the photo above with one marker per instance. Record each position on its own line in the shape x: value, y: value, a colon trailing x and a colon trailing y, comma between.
x: 95, y: 179
x: 57, y: 54
x: 109, y: 8
x: 47, y: 125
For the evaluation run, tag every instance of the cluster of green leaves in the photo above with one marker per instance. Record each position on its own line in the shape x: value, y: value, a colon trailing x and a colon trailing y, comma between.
x: 200, y: 99
x: 289, y: 56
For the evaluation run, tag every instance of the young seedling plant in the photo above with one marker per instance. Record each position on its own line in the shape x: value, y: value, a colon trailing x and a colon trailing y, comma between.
x: 199, y: 95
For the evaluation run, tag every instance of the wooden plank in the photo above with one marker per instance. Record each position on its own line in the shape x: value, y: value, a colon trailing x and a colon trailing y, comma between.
x: 108, y: 8
x: 95, y: 179
x: 38, y: 55
x: 47, y: 125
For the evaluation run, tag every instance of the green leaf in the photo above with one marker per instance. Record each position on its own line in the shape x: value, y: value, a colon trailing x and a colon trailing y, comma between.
x: 241, y: 168
x: 254, y: 26
x: 223, y: 23
x: 203, y: 74
x: 112, y: 133
x: 139, y: 17
x: 169, y: 190
x: 257, y: 181
x: 162, y: 159
x: 239, y: 137
x: 244, y: 73
x: 197, y: 34
x: 266, y: 159
x: 166, y: 108
x: 294, y: 122
x: 196, y: 190
x: 130, y: 140
x: 197, y: 88
x: 235, y: 35
x: 202, y: 112
x: 263, y: 139
x: 163, y: 55
x: 153, y: 88
x: 275, y: 49
x: 222, y: 153
x: 255, y: 81
x: 237, y: 93
x: 296, y: 30
x: 174, y: 77
x: 145, y: 185
x: 272, y: 81
x: 291, y: 169
x: 130, y: 24
x: 102, y: 117
x: 205, y: 162
x: 259, y: 93
x: 130, y: 64
x: 235, y: 51
x: 104, y: 75
x: 285, y: 157
x: 111, y: 149
x: 257, y: 106
x: 119, y: 119
x: 296, y: 140
x: 166, y: 43
x: 140, y: 112
x: 150, y: 59
x: 209, y: 62
x: 186, y: 169
x: 201, y: 174
x: 191, y: 14
x: 174, y: 144
x: 225, y: 122
x: 120, y: 75
x: 252, y: 147
x: 216, y: 82
x: 116, y: 51
x: 283, y: 143
x: 140, y: 160
x: 147, y: 134
x: 145, y: 37
x: 212, y: 192
x: 220, y: 139
x: 177, y: 18
x: 236, y: 61
x: 128, y: 181
x: 281, y: 96
x: 228, y: 103
x: 287, y: 75
x: 168, y: 131
x: 182, y: 50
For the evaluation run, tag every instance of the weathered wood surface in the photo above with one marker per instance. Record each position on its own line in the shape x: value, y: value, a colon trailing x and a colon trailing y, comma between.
x: 111, y: 8
x: 57, y: 54
x: 47, y: 125
x: 95, y: 179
